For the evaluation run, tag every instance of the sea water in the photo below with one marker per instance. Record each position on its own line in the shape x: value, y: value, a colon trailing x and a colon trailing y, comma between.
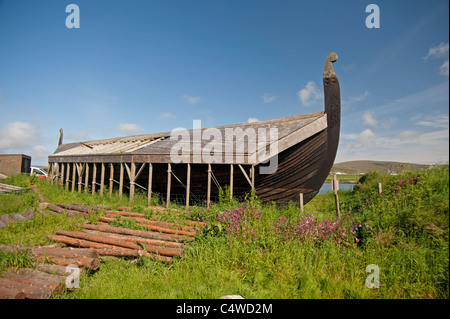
x: 326, y: 187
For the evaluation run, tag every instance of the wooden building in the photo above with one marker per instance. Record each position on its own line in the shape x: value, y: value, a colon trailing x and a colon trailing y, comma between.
x: 14, y: 164
x: 280, y: 159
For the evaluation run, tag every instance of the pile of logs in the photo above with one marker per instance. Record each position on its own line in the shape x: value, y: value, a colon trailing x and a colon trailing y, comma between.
x: 161, y: 240
x: 46, y: 279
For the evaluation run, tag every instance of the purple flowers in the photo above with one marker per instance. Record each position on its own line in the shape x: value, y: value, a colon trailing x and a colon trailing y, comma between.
x: 410, y: 180
x: 238, y: 221
x: 246, y: 222
x: 307, y: 228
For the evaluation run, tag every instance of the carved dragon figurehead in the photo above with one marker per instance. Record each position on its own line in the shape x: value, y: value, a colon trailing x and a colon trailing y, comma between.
x: 60, y: 136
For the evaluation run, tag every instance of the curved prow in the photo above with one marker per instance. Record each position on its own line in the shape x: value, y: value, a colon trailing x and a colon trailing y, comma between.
x: 60, y: 136
x: 332, y: 96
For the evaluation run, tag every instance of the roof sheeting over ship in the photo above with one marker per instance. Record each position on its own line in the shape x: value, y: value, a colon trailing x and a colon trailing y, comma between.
x: 224, y: 140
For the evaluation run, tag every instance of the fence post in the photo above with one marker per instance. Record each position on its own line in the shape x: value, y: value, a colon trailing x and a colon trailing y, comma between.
x: 301, y: 202
x: 336, y: 197
x: 380, y: 188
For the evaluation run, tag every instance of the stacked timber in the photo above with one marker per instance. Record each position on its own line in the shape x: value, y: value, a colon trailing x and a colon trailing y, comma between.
x: 45, y: 280
x: 161, y: 241
x: 87, y: 258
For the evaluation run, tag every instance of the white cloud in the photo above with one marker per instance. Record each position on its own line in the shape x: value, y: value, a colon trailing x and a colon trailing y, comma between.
x: 432, y: 120
x: 367, y: 139
x: 267, y: 98
x: 440, y: 51
x: 191, y: 99
x: 166, y: 115
x: 39, y: 152
x: 17, y: 136
x: 444, y: 68
x: 405, y: 146
x: 309, y: 94
x: 252, y: 120
x: 369, y: 119
x: 388, y: 122
x: 129, y: 128
x: 408, y: 134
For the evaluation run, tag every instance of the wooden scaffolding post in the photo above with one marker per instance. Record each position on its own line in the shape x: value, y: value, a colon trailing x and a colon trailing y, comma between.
x: 94, y: 177
x: 252, y: 172
x: 102, y: 179
x: 208, y: 196
x: 169, y: 173
x: 188, y: 184
x: 132, y: 178
x: 54, y: 177
x: 61, y: 180
x: 80, y: 170
x: 74, y: 171
x: 86, y: 179
x: 121, y: 181
x: 111, y: 178
x: 67, y: 176
x: 150, y: 179
x: 231, y: 180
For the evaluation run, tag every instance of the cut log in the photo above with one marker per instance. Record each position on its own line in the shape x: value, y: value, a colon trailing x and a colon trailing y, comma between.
x: 124, y: 213
x: 140, y: 233
x: 56, y: 288
x: 174, y: 226
x: 79, y: 242
x: 146, y: 241
x: 33, y: 273
x: 54, y: 269
x: 57, y: 209
x: 155, y: 228
x: 7, y: 293
x: 78, y: 208
x: 30, y: 292
x: 102, y: 207
x: 105, y: 239
x: 34, y: 189
x: 67, y: 252
x: 124, y: 208
x: 87, y: 258
x: 82, y: 261
x: 160, y: 248
x: 141, y: 218
x: 98, y: 239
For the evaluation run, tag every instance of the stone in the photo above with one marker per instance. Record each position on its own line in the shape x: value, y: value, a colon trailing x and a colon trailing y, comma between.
x: 232, y: 297
x: 18, y: 217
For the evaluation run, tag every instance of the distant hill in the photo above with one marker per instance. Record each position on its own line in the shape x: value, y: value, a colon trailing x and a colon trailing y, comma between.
x: 362, y: 167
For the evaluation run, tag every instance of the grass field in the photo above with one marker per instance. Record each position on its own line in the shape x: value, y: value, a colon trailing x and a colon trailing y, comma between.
x: 261, y: 250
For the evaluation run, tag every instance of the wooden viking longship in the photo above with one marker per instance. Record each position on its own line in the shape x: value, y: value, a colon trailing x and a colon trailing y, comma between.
x: 298, y: 160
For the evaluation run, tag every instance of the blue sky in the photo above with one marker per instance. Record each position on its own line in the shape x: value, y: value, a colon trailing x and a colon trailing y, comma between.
x: 136, y: 67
